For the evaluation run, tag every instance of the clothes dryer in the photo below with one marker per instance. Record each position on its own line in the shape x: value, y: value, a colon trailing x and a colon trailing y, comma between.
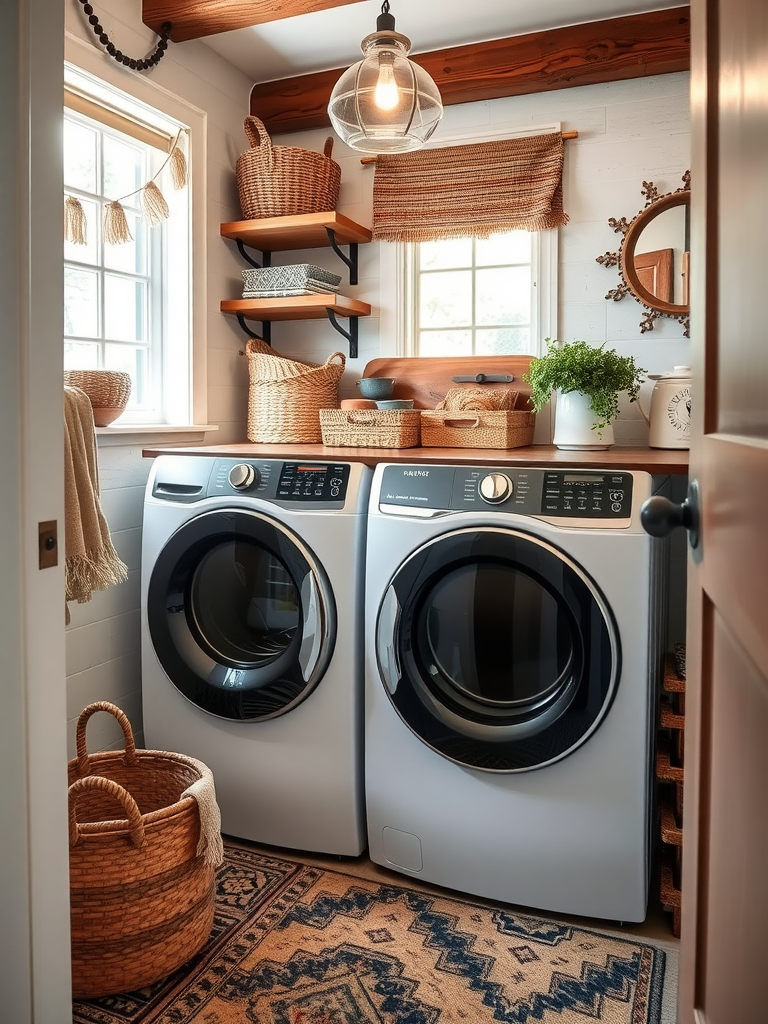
x: 251, y: 603
x: 513, y: 658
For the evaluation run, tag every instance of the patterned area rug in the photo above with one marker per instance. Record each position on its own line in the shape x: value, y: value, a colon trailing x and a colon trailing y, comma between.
x: 294, y: 944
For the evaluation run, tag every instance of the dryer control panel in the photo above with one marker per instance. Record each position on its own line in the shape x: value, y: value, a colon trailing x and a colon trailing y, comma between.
x: 592, y: 497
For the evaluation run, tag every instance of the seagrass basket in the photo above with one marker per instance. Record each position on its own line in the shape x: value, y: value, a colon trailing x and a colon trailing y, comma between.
x: 477, y: 428
x: 370, y: 428
x: 282, y: 181
x: 285, y: 396
x: 141, y: 899
x: 108, y: 390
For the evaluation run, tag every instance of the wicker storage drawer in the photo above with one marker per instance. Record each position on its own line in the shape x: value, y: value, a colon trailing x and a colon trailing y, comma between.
x: 477, y: 428
x: 370, y: 428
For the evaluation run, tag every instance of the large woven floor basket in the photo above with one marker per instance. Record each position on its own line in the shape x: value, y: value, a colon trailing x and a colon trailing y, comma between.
x: 285, y: 396
x: 142, y: 900
x: 283, y: 181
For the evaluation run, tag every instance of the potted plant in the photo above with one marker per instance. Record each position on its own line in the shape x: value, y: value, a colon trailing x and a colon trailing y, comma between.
x: 587, y: 381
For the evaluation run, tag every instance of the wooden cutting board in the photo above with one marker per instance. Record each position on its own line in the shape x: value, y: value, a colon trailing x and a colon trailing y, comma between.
x: 426, y: 379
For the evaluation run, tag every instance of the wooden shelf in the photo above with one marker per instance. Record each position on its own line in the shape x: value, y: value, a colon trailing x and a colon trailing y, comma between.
x: 308, y: 231
x: 296, y: 307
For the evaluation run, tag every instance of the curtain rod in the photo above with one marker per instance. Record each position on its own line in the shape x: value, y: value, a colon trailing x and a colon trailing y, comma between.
x: 372, y: 159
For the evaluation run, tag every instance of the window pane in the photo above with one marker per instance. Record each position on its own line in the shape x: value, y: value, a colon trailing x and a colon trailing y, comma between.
x: 507, y: 341
x: 123, y: 168
x: 79, y: 156
x: 130, y: 359
x: 81, y: 303
x: 125, y: 306
x: 511, y: 247
x: 79, y: 355
x: 449, y: 252
x: 445, y: 343
x: 446, y: 299
x: 130, y: 257
x: 503, y: 295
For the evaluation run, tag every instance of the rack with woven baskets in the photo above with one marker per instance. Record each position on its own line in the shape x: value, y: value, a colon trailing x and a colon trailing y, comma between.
x: 300, y: 231
x: 670, y: 754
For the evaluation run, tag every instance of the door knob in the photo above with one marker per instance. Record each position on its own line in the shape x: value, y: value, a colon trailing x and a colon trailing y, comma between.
x: 659, y: 516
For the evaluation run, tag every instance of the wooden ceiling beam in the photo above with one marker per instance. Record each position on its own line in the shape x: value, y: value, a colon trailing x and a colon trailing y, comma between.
x: 194, y: 19
x: 604, y: 51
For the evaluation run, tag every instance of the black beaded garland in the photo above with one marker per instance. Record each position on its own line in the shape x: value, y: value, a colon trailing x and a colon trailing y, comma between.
x: 137, y: 65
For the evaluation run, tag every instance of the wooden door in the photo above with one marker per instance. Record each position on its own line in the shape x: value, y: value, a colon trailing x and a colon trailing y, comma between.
x: 724, y: 943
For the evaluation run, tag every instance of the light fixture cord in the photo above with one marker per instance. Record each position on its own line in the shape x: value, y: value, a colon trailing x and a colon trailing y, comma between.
x: 135, y: 65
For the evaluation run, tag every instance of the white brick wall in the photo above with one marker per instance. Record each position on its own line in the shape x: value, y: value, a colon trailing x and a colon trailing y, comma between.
x: 628, y: 132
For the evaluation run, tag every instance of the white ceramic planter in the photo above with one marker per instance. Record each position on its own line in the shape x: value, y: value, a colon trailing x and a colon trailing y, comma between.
x: 574, y: 422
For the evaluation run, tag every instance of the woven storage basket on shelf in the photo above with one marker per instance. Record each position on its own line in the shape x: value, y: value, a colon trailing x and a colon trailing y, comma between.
x: 295, y: 276
x: 285, y: 396
x: 108, y: 390
x: 370, y: 428
x: 477, y: 428
x: 141, y: 899
x: 282, y: 181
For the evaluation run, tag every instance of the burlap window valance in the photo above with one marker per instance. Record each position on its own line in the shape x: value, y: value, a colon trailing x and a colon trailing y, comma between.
x: 470, y: 190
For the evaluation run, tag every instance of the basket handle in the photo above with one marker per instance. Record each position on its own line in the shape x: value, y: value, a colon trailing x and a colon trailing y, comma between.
x: 462, y: 422
x: 258, y: 137
x: 83, y: 761
x: 361, y: 417
x: 82, y: 786
x: 328, y: 148
x: 336, y: 357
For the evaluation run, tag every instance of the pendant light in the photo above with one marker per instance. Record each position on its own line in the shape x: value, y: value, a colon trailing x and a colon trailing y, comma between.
x: 385, y: 103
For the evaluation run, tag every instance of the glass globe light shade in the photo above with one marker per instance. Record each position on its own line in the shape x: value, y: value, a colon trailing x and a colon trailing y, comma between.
x: 385, y: 103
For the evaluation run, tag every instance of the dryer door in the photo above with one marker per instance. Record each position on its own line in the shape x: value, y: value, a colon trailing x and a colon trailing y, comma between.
x: 497, y: 650
x: 241, y: 615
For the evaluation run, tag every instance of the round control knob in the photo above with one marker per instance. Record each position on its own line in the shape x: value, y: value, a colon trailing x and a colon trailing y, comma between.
x: 495, y: 488
x: 242, y: 476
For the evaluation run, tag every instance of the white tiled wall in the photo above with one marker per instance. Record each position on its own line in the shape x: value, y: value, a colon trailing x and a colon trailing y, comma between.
x: 628, y: 132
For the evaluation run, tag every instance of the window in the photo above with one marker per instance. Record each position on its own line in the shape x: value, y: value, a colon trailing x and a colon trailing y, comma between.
x: 481, y: 296
x: 126, y: 305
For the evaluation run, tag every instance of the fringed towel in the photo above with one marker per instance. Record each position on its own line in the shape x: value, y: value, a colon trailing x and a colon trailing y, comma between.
x: 476, y: 189
x: 210, y: 845
x: 91, y: 561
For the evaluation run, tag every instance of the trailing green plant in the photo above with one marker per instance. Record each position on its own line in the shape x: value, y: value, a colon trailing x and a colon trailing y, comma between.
x: 600, y: 373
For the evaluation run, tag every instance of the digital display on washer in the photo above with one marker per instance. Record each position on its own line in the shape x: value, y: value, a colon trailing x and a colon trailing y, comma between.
x: 587, y: 495
x: 311, y: 481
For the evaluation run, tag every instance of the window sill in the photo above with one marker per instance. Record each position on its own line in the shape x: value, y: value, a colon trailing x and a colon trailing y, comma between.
x: 139, y: 433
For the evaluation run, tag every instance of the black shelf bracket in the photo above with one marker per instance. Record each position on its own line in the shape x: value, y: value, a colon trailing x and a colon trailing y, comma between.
x: 266, y: 257
x: 350, y: 335
x: 351, y: 260
x: 266, y: 330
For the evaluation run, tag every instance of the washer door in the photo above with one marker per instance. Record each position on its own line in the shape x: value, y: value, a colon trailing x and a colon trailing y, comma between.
x: 241, y: 615
x: 497, y: 650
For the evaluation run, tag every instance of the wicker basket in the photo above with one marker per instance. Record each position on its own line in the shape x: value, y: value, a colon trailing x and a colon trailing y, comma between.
x: 285, y: 396
x: 108, y: 390
x: 141, y: 899
x: 282, y: 181
x: 477, y: 429
x: 370, y: 428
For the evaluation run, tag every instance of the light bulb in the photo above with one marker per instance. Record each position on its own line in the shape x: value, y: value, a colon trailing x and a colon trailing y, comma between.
x: 386, y: 95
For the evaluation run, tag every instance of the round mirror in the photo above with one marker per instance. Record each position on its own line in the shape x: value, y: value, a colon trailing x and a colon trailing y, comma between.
x: 654, y: 255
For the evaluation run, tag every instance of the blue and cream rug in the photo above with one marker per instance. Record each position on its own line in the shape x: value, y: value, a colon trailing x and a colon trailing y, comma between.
x: 298, y: 944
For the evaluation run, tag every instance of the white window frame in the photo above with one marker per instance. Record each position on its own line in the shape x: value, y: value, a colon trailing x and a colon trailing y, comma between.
x: 187, y: 408
x: 398, y: 268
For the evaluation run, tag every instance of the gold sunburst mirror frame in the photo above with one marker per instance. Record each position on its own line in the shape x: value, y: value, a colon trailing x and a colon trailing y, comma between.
x: 656, y: 278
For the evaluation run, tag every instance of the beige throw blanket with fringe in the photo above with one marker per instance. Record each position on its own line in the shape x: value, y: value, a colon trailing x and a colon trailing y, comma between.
x: 91, y: 561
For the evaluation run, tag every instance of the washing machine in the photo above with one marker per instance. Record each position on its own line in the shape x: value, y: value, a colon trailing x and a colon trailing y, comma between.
x: 513, y: 660
x: 252, y: 604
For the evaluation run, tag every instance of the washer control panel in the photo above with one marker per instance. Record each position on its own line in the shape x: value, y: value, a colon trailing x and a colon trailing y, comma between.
x: 593, y: 497
x: 312, y: 481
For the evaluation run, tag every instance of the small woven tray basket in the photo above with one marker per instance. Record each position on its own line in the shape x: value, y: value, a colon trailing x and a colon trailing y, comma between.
x: 141, y: 899
x: 502, y: 428
x: 370, y: 428
x: 285, y: 396
x: 283, y: 181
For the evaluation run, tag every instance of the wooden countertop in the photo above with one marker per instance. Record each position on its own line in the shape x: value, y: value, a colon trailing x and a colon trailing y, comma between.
x: 652, y: 460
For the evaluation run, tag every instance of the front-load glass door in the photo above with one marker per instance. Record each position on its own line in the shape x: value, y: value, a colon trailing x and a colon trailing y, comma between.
x: 496, y: 649
x: 241, y: 615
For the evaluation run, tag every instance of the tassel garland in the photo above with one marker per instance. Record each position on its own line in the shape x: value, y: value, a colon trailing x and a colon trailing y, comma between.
x: 75, y: 224
x: 153, y: 204
x: 116, y: 228
x: 178, y: 165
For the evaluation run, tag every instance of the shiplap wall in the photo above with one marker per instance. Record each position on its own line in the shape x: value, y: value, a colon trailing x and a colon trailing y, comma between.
x: 628, y: 132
